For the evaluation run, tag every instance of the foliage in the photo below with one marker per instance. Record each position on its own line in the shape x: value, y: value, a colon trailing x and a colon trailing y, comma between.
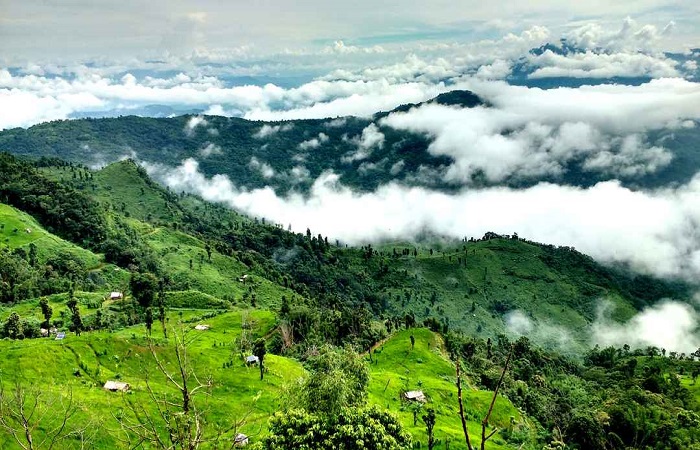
x: 337, y: 380
x: 352, y: 428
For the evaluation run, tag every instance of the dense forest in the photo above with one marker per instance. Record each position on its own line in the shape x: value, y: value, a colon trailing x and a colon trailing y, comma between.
x: 230, y: 331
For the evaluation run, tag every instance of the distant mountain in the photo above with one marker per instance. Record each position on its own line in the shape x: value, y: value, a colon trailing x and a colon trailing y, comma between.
x: 143, y: 111
x: 290, y: 155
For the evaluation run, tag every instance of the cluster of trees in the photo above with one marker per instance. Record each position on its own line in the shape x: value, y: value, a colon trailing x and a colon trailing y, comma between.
x: 613, y: 399
x: 23, y: 275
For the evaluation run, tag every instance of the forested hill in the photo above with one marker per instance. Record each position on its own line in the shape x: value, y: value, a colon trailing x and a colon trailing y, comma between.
x: 469, y: 285
x: 131, y: 282
x: 365, y: 152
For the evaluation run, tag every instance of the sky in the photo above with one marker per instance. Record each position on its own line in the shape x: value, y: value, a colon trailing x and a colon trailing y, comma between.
x: 84, y: 29
x: 629, y: 68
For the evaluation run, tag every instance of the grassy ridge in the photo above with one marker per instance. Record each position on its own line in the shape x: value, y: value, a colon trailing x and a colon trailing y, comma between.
x: 47, y: 244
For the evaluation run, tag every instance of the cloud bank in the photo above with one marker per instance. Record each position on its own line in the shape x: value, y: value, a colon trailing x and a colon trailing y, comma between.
x: 654, y: 232
x: 669, y: 325
x: 532, y: 132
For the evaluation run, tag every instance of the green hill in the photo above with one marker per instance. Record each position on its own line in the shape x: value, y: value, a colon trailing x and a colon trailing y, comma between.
x: 471, y: 286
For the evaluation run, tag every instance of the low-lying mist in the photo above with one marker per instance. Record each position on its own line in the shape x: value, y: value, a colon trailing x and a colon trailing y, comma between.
x: 655, y: 232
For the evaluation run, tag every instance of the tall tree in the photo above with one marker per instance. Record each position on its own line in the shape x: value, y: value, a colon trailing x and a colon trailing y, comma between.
x: 259, y: 350
x: 149, y: 320
x: 46, y: 312
x: 143, y: 288
x: 13, y: 327
x: 429, y: 420
x: 161, y: 307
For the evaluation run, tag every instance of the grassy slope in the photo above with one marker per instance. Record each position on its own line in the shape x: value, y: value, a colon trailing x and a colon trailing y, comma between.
x: 47, y: 244
x: 510, y: 272
x: 99, y: 356
x: 129, y: 191
x: 398, y: 369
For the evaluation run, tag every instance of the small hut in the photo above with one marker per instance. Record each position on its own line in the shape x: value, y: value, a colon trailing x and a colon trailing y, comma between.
x: 241, y: 440
x: 116, y: 296
x: 201, y: 327
x: 415, y: 396
x: 116, y: 386
x: 252, y: 360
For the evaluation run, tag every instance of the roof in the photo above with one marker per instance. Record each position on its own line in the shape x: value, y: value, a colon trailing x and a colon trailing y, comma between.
x: 252, y: 358
x: 418, y: 396
x: 116, y: 386
x: 201, y: 327
x: 60, y: 335
x: 115, y: 295
x: 240, y: 437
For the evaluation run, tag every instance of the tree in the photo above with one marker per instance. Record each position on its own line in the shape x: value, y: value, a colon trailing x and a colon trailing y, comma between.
x: 149, y: 320
x: 338, y: 379
x: 143, y: 288
x: 485, y: 422
x: 13, y: 272
x: 76, y: 320
x: 429, y: 420
x: 46, y: 312
x: 352, y: 429
x: 413, y: 342
x: 13, y: 327
x: 35, y: 419
x: 33, y: 258
x: 259, y: 350
x: 284, y: 309
x: 161, y: 306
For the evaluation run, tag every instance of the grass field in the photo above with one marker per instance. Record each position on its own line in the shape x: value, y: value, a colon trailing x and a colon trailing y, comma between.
x: 397, y: 368
x: 18, y: 229
x: 82, y: 365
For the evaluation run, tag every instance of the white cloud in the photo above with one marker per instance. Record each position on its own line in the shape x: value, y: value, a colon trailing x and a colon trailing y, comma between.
x: 268, y: 130
x: 210, y: 149
x: 543, y: 333
x: 534, y: 132
x: 631, y: 37
x: 340, y: 47
x: 193, y: 123
x: 669, y: 325
x: 315, y: 142
x: 601, y: 65
x: 497, y: 70
x: 264, y: 168
x: 654, y: 232
x: 371, y: 137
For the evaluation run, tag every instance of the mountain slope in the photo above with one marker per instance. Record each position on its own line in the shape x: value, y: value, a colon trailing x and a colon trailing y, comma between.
x: 473, y: 286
